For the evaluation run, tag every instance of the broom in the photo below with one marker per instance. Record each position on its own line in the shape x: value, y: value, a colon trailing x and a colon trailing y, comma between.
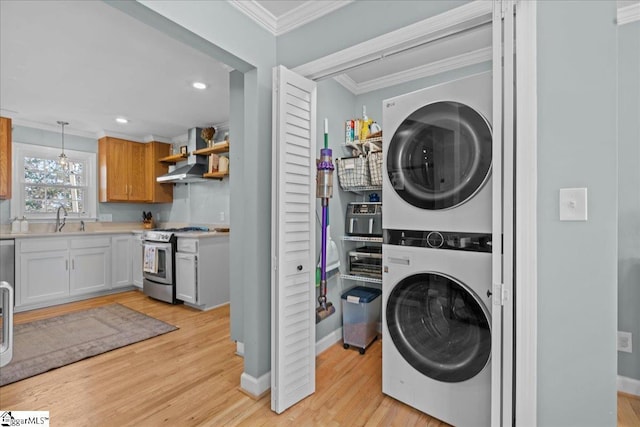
x: 324, y: 191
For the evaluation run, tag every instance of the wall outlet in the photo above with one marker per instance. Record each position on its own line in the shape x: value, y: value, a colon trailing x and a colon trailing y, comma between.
x: 221, y: 216
x: 625, y: 342
x: 105, y: 217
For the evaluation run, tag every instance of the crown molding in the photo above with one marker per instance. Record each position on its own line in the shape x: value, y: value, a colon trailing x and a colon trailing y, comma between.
x: 307, y: 12
x: 628, y: 14
x: 257, y: 13
x: 301, y: 15
x: 466, y: 16
x: 52, y: 128
x: 431, y: 69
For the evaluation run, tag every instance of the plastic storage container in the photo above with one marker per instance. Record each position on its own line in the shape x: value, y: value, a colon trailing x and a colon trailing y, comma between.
x: 360, y: 316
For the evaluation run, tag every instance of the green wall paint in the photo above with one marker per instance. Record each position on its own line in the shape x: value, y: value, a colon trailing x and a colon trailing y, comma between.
x: 577, y: 277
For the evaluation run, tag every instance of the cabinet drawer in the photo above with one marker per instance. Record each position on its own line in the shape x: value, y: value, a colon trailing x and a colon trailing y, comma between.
x: 187, y: 245
x: 90, y: 242
x: 42, y: 245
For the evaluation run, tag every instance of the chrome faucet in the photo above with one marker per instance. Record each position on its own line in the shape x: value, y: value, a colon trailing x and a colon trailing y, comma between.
x: 81, y: 225
x: 64, y: 219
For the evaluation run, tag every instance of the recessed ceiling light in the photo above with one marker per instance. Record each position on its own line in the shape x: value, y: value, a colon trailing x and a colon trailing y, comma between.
x: 199, y: 85
x: 121, y: 120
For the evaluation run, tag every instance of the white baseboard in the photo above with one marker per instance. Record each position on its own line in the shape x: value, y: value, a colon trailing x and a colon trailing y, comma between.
x: 255, y: 386
x: 240, y: 348
x: 328, y: 341
x: 629, y: 385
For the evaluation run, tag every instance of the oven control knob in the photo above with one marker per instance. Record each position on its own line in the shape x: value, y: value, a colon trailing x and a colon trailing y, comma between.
x: 435, y: 239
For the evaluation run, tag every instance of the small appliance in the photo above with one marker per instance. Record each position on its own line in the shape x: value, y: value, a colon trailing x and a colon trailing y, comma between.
x: 364, y: 219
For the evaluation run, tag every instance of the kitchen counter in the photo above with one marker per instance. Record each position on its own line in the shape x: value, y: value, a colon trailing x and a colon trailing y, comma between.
x: 94, y: 229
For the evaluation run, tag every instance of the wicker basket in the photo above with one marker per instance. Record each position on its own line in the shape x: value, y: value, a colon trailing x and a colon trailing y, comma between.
x: 353, y: 172
x: 375, y: 167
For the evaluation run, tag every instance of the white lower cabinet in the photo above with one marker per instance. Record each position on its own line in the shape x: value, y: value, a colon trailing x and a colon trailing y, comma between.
x: 44, y: 276
x: 59, y: 269
x: 138, y: 249
x: 90, y: 265
x: 186, y: 277
x: 121, y: 256
x: 202, y: 271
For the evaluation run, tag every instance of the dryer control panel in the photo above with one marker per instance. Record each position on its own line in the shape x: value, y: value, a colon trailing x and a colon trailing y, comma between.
x: 474, y: 242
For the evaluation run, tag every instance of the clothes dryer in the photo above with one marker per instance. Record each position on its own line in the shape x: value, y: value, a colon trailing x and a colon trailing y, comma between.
x: 436, y: 340
x: 437, y: 145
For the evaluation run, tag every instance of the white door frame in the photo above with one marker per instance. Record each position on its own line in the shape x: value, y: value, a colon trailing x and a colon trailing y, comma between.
x: 524, y: 404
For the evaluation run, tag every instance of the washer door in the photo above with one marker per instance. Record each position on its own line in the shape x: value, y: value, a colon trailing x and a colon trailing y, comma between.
x: 439, y: 327
x: 440, y: 155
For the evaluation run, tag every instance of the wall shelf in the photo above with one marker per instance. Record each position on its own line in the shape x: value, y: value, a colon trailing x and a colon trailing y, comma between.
x: 221, y: 147
x: 173, y: 159
x: 362, y: 239
x: 363, y: 188
x: 361, y: 278
x: 364, y: 141
x: 215, y: 175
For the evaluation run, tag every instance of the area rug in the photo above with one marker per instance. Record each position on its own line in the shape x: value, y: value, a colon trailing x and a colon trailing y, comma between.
x: 43, y: 345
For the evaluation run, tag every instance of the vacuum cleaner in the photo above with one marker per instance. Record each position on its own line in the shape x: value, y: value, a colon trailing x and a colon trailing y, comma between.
x: 324, y: 191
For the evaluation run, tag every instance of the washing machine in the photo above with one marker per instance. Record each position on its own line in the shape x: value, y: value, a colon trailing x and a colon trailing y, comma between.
x: 437, y: 145
x: 436, y: 312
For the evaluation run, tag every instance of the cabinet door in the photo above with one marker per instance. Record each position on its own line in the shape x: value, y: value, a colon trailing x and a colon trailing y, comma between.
x: 90, y: 270
x: 138, y: 248
x: 139, y: 175
x: 114, y: 169
x: 122, y: 265
x: 186, y: 277
x: 5, y: 158
x: 44, y: 276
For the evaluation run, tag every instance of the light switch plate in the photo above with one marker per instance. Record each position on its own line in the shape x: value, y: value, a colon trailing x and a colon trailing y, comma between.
x: 573, y: 204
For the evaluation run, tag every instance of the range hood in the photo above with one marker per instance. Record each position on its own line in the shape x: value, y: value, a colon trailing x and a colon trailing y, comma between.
x: 195, y: 166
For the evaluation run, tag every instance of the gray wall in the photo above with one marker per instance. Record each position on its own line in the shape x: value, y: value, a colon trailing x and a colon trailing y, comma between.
x: 577, y: 261
x: 355, y: 23
x: 629, y: 194
x: 214, y: 28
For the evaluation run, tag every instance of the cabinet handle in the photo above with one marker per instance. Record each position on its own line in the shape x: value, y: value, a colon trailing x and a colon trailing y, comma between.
x: 66, y: 264
x: 73, y: 264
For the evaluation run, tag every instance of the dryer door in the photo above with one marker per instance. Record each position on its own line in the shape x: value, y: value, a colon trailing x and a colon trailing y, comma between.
x: 440, y: 155
x: 439, y: 326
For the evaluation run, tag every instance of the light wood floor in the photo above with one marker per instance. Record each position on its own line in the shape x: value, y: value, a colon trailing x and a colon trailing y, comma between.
x: 191, y: 376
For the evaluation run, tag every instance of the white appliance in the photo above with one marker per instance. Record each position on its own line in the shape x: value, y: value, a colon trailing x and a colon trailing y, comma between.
x: 437, y: 157
x: 436, y: 340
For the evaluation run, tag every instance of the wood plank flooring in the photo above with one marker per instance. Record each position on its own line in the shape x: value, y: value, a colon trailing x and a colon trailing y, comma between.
x: 190, y: 377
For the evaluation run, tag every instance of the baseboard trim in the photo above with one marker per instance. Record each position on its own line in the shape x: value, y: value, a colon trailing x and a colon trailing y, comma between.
x: 240, y: 348
x: 629, y: 385
x: 328, y: 341
x: 255, y: 387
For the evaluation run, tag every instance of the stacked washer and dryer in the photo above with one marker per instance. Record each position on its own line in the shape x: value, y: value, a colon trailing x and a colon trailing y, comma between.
x: 437, y: 220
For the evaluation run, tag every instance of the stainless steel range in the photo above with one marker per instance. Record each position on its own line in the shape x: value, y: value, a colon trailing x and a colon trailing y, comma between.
x: 158, y: 271
x: 159, y: 262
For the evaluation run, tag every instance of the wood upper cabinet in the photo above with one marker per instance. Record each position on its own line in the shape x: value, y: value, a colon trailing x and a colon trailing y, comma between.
x: 122, y: 171
x: 5, y: 158
x: 160, y: 193
x: 128, y: 171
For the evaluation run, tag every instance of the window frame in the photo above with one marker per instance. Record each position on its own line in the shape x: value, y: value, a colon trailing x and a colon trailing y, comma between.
x: 22, y: 150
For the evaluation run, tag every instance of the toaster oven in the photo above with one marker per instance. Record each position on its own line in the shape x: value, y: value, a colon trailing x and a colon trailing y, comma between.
x: 366, y: 261
x: 364, y: 219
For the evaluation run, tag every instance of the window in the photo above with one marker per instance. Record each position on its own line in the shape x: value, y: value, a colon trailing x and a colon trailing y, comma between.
x: 41, y: 185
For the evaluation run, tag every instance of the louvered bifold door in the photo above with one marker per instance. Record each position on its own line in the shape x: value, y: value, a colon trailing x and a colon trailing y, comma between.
x: 292, y: 239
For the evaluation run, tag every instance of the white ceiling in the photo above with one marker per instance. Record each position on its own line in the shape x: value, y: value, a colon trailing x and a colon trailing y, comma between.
x: 86, y: 63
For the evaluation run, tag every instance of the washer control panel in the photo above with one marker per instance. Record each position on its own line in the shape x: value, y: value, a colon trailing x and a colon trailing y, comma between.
x: 474, y: 242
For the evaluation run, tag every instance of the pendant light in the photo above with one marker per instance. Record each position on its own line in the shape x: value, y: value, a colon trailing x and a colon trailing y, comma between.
x: 63, y: 160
